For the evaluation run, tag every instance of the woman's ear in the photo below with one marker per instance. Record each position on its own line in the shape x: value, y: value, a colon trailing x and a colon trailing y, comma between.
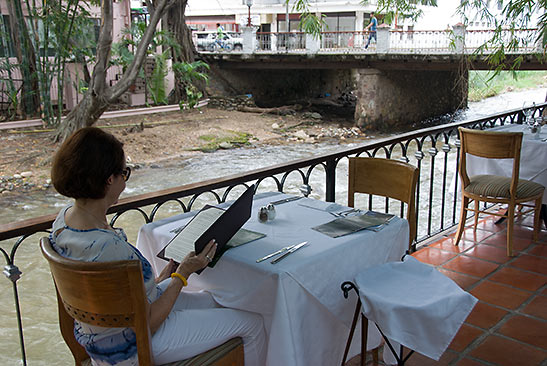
x: 110, y: 179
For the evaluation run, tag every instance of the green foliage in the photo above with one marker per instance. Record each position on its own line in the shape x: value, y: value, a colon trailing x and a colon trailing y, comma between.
x: 9, y: 89
x: 309, y: 22
x: 484, y: 84
x: 61, y: 30
x: 515, y: 15
x: 189, y: 74
x: 156, y: 82
x: 193, y: 95
x: 400, y: 9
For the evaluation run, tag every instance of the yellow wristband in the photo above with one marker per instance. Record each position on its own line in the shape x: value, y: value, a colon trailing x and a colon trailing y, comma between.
x: 180, y: 277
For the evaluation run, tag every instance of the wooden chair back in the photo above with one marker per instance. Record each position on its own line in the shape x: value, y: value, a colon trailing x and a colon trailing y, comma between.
x: 490, y: 145
x: 106, y: 294
x: 386, y: 178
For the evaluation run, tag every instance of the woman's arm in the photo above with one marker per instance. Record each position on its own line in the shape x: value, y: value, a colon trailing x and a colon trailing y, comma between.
x: 159, y: 309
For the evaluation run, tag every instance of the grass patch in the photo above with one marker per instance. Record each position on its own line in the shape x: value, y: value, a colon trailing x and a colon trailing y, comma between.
x: 483, y: 85
x: 214, y: 142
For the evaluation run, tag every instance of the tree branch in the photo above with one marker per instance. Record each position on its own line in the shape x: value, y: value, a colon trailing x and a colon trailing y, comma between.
x: 132, y: 71
x: 104, y: 45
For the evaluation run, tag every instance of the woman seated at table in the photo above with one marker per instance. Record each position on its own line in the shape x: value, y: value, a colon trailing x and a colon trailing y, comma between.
x: 90, y: 167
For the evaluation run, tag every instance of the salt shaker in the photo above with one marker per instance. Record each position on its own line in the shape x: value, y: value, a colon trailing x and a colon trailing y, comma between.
x: 263, y: 214
x: 271, y: 211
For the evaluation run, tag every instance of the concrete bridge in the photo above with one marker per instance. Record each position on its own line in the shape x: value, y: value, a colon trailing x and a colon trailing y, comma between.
x: 403, y: 78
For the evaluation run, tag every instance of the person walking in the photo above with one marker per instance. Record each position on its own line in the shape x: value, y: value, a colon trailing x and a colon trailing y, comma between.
x: 220, y: 35
x: 371, y: 27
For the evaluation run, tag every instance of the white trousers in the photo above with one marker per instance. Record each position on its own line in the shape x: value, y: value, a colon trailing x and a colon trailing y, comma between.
x: 197, y: 323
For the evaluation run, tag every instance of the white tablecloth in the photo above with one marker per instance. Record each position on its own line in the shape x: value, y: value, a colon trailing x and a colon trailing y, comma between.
x: 414, y: 304
x: 305, y: 314
x: 533, y: 158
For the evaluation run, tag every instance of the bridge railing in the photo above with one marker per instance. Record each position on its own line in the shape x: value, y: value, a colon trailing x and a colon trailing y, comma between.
x: 344, y: 41
x: 456, y: 40
x: 280, y: 42
x: 522, y: 40
x: 435, y: 151
x: 430, y: 41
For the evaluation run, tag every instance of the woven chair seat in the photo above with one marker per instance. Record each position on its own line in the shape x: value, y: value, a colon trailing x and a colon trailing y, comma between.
x: 210, y: 357
x: 496, y: 186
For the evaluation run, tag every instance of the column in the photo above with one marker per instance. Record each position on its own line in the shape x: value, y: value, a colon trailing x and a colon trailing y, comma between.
x: 249, y: 39
x: 382, y: 43
x: 459, y: 35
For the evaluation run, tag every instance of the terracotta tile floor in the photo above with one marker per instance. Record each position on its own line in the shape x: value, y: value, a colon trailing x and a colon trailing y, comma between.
x: 508, y: 326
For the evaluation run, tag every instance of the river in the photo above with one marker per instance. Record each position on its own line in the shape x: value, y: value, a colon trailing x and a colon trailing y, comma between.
x: 44, y: 344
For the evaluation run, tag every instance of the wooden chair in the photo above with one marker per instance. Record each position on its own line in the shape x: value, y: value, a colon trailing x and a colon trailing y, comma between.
x: 386, y: 178
x: 112, y: 294
x: 511, y: 191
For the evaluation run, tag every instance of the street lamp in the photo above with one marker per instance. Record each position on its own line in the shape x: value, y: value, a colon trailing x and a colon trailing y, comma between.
x: 249, y: 4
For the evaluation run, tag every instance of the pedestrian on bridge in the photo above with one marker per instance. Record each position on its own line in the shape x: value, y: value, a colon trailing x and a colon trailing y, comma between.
x: 372, y: 28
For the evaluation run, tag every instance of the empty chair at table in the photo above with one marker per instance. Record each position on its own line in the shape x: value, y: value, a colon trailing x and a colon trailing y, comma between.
x: 387, y: 178
x: 511, y: 191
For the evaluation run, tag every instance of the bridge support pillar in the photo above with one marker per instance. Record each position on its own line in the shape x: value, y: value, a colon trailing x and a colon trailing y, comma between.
x: 391, y: 99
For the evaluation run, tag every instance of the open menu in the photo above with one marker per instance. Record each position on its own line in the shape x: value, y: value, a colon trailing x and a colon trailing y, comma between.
x: 370, y: 220
x: 212, y: 223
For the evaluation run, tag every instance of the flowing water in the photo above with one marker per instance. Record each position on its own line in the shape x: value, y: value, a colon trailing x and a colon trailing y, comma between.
x: 44, y: 345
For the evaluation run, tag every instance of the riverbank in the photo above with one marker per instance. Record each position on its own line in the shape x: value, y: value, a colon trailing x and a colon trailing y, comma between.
x: 157, y: 139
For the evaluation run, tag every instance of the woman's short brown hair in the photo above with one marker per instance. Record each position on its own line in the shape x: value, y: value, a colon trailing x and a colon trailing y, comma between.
x: 85, y: 161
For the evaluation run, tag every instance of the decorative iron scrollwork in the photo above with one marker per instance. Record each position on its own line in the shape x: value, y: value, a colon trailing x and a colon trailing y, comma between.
x: 12, y: 272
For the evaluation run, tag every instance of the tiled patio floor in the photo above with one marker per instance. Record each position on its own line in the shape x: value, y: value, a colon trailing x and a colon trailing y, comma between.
x: 508, y: 326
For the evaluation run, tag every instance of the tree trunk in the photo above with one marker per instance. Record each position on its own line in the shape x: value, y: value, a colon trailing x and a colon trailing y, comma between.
x: 85, y: 114
x: 176, y: 24
x: 26, y: 57
x: 100, y: 96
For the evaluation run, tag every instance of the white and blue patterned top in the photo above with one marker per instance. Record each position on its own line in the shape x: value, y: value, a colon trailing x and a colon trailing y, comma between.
x: 105, y: 346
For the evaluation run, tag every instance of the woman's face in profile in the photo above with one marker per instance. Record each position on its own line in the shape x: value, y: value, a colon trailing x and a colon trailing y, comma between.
x: 116, y: 187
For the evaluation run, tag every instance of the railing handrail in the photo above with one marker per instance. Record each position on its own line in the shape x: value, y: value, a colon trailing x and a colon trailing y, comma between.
x: 29, y: 226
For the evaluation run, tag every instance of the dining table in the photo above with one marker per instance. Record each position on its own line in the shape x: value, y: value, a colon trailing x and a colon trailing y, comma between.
x: 306, y: 317
x: 533, y: 160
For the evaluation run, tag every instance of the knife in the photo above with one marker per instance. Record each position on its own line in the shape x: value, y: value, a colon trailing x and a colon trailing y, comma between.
x: 282, y: 250
x: 285, y: 200
x: 292, y: 250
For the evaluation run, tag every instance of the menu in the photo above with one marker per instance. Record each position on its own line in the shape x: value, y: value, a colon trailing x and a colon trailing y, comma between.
x: 370, y: 220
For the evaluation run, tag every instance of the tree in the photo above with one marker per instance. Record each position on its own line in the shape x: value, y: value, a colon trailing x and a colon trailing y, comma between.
x: 515, y: 14
x: 26, y: 57
x: 99, y: 96
x: 175, y: 22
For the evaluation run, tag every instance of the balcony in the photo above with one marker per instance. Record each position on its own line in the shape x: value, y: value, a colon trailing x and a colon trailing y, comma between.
x: 508, y: 326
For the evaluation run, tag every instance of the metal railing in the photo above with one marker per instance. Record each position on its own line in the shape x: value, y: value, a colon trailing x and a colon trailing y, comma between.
x: 434, y: 151
x: 431, y: 41
x: 281, y: 41
x: 396, y: 41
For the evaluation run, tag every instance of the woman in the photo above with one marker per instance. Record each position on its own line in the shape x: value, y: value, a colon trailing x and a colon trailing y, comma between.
x: 90, y: 167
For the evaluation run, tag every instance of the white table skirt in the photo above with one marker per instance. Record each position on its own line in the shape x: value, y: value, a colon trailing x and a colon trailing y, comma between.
x: 305, y: 314
x: 533, y: 158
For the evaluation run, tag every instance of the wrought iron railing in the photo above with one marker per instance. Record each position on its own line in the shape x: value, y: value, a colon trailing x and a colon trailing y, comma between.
x: 433, y: 150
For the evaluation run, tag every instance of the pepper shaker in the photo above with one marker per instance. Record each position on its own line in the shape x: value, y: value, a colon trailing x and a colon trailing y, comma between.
x: 271, y: 211
x: 263, y: 214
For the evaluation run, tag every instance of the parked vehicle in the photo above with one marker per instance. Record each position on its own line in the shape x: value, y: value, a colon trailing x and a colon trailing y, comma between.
x: 207, y: 41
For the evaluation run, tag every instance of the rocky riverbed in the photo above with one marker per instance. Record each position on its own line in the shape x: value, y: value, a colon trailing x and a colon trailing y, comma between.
x: 158, y: 139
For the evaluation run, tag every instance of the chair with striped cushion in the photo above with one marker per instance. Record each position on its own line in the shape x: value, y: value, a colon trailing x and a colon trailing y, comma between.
x: 111, y: 294
x: 511, y: 191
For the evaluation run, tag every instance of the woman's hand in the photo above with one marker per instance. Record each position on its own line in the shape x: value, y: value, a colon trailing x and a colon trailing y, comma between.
x: 192, y: 262
x: 166, y: 272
